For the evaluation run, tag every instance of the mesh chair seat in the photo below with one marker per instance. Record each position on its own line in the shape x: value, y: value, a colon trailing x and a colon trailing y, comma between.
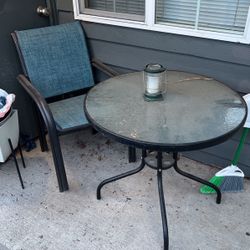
x: 68, y: 113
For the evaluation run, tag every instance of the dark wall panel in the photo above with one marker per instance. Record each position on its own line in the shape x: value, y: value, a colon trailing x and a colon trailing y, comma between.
x: 65, y: 17
x: 200, y: 47
x: 136, y: 58
x: 220, y: 60
x: 227, y: 149
x: 214, y: 160
x: 64, y: 5
x: 65, y: 11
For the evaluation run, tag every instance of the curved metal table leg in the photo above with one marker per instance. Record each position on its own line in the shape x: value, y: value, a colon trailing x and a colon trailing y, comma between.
x: 162, y: 201
x: 131, y: 154
x: 120, y: 176
x: 195, y: 178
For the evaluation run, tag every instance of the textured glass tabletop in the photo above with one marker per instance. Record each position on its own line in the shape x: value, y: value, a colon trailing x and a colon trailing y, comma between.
x: 196, y: 112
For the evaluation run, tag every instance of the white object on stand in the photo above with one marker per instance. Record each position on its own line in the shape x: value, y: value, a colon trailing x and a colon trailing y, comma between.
x: 9, y: 129
x: 247, y: 100
x: 10, y: 98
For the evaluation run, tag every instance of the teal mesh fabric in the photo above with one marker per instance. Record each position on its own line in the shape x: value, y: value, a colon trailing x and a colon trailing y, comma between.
x: 68, y: 113
x: 56, y: 58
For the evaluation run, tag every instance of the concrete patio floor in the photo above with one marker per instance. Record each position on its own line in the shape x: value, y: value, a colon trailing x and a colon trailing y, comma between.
x: 128, y: 216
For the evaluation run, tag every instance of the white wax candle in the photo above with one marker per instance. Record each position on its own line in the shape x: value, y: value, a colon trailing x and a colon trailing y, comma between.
x: 153, y: 85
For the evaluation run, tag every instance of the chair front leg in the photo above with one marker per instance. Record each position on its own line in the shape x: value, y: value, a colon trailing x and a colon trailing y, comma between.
x: 58, y: 162
x: 42, y: 132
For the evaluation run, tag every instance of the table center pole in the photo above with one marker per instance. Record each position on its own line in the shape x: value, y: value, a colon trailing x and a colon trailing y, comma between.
x: 162, y: 201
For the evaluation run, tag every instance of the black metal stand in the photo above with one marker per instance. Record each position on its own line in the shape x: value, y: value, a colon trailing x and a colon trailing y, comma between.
x: 41, y: 132
x: 162, y: 201
x: 120, y: 176
x: 160, y: 168
x: 16, y: 163
x: 195, y: 178
x: 131, y: 154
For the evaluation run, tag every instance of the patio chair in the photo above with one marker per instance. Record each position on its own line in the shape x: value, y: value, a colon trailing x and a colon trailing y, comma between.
x: 57, y: 75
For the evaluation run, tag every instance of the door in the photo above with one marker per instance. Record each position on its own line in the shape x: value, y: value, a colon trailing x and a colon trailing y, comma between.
x: 20, y: 15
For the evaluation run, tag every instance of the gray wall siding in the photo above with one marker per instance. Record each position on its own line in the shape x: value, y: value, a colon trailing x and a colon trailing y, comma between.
x: 65, y: 11
x: 131, y: 49
x: 227, y: 62
x: 64, y: 5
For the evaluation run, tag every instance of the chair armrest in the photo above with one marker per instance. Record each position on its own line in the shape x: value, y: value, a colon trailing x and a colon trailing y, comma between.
x: 39, y: 100
x: 15, y: 40
x: 104, y: 68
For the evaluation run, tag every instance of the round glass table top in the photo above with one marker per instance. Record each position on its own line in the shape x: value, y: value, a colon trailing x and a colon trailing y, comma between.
x: 196, y: 112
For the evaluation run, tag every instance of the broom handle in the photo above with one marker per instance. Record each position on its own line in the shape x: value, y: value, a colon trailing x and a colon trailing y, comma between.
x: 240, y: 146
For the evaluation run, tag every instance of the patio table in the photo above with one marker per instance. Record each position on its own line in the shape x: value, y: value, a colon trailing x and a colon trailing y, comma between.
x: 196, y: 112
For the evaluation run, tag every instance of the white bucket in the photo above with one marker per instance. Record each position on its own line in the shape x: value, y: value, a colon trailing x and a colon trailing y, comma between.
x: 9, y: 129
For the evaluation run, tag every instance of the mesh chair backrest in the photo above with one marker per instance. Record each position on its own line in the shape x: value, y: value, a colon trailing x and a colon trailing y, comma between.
x: 56, y: 58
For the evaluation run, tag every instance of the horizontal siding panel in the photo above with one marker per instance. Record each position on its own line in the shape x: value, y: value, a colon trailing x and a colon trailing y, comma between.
x: 65, y: 17
x: 135, y: 58
x: 214, y: 160
x: 65, y: 5
x: 226, y: 151
x: 199, y: 47
x: 206, y: 158
x: 237, y: 136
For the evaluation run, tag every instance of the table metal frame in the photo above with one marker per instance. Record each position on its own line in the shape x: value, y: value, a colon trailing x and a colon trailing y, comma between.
x: 159, y: 169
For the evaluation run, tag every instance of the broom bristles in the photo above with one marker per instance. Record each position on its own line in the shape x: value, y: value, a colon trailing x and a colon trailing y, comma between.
x: 232, y: 184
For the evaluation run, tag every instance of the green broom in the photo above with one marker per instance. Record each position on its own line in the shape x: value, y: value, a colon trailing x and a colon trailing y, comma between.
x: 229, y: 179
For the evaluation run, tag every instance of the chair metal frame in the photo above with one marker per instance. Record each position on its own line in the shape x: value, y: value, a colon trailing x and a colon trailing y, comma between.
x: 46, y: 122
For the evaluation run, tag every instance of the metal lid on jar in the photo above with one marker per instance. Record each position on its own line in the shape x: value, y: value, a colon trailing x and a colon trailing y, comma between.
x: 154, y: 68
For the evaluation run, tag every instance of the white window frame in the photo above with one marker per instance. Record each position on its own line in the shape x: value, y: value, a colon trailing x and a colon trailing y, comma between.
x: 149, y: 24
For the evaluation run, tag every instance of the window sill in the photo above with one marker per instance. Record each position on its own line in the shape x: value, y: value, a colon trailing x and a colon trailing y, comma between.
x: 163, y: 28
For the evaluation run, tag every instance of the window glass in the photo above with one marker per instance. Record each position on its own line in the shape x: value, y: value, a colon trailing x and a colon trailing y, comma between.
x: 176, y: 12
x: 130, y: 9
x: 227, y: 16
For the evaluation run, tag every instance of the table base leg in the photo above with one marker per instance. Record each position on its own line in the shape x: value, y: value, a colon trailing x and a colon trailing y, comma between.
x: 120, y: 176
x: 195, y: 178
x: 160, y: 168
x: 162, y: 201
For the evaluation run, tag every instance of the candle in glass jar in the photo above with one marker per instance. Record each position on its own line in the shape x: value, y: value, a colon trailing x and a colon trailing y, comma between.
x: 153, y: 84
x: 154, y: 80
